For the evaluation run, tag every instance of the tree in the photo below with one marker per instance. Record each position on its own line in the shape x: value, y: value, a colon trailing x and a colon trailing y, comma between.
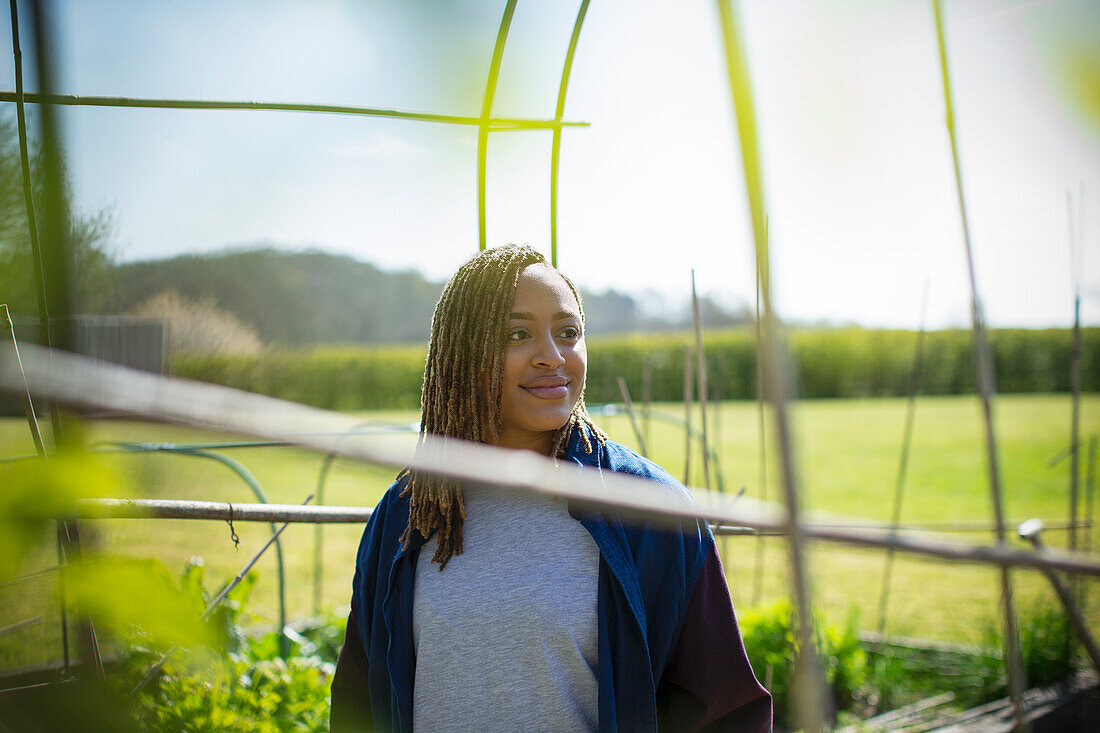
x: 92, y: 262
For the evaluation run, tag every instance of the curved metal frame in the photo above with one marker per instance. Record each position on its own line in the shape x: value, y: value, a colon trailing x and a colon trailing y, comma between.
x: 81, y: 100
x: 253, y: 483
x: 486, y: 110
x: 555, y: 150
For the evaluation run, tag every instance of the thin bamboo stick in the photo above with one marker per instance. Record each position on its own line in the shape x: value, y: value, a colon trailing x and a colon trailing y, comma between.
x: 30, y: 576
x: 903, y: 461
x: 318, y: 536
x: 555, y: 146
x: 1074, y: 385
x: 724, y: 516
x: 28, y: 197
x: 28, y: 400
x: 486, y: 112
x: 688, y: 389
x: 633, y: 418
x: 984, y: 368
x: 19, y: 625
x: 762, y: 461
x: 496, y: 124
x: 40, y: 450
x: 216, y: 602
x: 1090, y: 493
x: 1031, y: 531
x: 810, y: 695
x: 56, y: 285
x: 701, y: 366
x: 647, y: 394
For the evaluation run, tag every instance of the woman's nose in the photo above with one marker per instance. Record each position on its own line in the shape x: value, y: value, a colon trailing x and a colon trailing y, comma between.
x: 547, y: 354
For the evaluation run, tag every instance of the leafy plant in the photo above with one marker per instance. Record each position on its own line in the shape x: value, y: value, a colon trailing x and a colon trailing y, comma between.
x: 769, y: 635
x: 247, y: 687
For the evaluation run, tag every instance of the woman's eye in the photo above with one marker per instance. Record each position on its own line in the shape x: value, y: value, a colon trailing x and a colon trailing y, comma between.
x: 570, y: 332
x: 517, y: 334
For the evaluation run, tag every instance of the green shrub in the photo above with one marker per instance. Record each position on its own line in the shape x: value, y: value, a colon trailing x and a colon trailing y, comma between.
x: 245, y: 686
x: 845, y: 362
x: 1047, y: 642
x: 769, y: 635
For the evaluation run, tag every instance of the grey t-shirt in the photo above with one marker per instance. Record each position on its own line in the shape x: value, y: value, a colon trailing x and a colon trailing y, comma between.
x: 505, y: 635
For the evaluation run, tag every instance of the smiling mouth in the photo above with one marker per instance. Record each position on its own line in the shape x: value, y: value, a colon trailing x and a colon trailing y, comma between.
x: 554, y: 391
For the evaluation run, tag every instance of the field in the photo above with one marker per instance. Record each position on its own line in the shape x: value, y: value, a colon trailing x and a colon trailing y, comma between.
x: 847, y: 455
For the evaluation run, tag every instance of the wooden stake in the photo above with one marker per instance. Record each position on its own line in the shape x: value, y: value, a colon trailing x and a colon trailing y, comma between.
x: 701, y: 365
x: 810, y: 696
x: 903, y: 462
x: 633, y: 418
x: 983, y: 363
x: 687, y: 414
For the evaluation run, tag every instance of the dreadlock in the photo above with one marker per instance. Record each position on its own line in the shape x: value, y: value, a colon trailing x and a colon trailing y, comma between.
x: 463, y: 376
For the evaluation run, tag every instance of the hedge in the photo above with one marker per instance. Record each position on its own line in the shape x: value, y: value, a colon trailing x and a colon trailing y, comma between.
x: 847, y: 362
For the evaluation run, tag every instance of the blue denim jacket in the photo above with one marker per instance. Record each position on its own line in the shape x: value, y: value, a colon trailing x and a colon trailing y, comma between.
x: 646, y: 579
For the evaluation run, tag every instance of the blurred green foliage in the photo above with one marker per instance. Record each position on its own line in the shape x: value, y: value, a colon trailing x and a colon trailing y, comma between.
x: 248, y: 687
x: 869, y: 679
x: 1048, y: 644
x: 35, y: 493
x: 349, y: 378
x: 769, y: 636
x: 849, y: 362
x: 139, y: 596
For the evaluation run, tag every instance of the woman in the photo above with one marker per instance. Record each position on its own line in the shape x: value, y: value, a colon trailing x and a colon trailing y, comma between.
x: 475, y: 608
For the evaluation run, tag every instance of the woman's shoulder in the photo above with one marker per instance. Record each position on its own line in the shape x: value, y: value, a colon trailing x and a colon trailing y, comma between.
x: 394, y: 500
x: 618, y: 457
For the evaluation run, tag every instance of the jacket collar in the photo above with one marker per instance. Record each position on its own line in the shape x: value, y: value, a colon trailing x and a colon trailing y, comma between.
x: 607, y: 528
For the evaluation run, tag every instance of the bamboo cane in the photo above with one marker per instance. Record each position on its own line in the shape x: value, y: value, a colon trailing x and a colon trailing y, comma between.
x: 647, y: 394
x: 701, y: 365
x: 810, y: 695
x: 1090, y: 492
x: 903, y: 462
x: 687, y: 414
x: 633, y: 418
x: 762, y: 461
x: 1031, y: 530
x: 54, y: 281
x: 1075, y: 387
x: 984, y: 368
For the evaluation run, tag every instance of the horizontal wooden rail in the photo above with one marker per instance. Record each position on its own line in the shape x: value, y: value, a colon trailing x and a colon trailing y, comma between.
x: 495, y: 123
x: 83, y: 382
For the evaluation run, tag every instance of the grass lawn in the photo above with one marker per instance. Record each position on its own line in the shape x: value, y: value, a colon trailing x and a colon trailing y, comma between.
x: 848, y: 454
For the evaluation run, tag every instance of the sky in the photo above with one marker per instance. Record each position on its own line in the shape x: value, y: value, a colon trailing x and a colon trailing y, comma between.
x: 861, y: 197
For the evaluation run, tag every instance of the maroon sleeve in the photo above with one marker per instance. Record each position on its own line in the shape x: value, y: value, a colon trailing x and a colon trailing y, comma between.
x: 708, y: 683
x: 350, y: 709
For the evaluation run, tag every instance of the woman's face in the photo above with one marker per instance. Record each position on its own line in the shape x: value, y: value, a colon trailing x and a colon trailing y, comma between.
x: 544, y: 360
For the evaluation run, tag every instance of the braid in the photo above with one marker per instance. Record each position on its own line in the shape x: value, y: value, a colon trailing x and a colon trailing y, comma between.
x: 463, y: 378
